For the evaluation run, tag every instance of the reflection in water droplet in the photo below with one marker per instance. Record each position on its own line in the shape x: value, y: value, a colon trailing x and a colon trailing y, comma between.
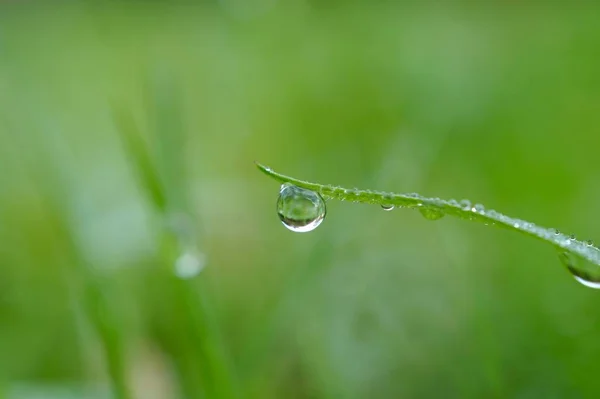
x: 300, y: 210
x: 189, y: 264
x: 431, y: 213
x: 479, y: 208
x: 590, y: 243
x: 387, y: 207
x: 584, y: 272
x: 556, y: 232
x: 587, y: 283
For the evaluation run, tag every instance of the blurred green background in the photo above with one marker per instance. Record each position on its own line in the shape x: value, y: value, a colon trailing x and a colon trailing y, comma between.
x: 128, y: 132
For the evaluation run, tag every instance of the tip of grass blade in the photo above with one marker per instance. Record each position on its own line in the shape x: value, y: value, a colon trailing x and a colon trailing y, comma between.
x: 263, y: 168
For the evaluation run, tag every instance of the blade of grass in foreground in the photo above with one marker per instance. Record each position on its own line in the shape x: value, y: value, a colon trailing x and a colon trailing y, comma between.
x: 581, y: 258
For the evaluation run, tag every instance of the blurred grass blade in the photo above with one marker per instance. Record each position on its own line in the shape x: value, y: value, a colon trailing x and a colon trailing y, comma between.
x: 161, y: 169
x: 139, y: 156
x: 191, y: 299
x: 53, y: 182
x: 164, y: 106
x: 103, y: 315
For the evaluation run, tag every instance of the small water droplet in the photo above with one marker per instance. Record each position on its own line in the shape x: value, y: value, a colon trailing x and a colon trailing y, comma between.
x: 479, y: 208
x: 556, y: 232
x: 516, y: 225
x: 431, y: 213
x: 572, y: 237
x: 590, y: 243
x: 299, y: 209
x: 466, y: 204
x: 189, y: 264
x: 387, y: 207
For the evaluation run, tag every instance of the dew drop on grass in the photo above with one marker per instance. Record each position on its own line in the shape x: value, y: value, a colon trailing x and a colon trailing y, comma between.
x: 430, y: 213
x: 584, y: 272
x: 465, y: 204
x: 299, y: 209
x: 387, y: 207
x: 189, y: 264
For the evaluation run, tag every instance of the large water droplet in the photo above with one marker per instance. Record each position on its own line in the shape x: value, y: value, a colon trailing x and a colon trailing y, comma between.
x: 431, y: 213
x: 584, y: 272
x: 387, y: 207
x: 300, y: 210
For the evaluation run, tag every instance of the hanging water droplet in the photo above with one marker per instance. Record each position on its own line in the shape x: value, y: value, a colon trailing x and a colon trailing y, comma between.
x: 583, y: 271
x: 387, y: 207
x: 189, y: 264
x: 431, y: 213
x: 300, y: 210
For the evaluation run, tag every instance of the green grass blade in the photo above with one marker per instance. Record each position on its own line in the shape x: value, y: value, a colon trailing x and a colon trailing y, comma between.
x: 463, y: 210
x: 101, y: 311
x: 139, y: 156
